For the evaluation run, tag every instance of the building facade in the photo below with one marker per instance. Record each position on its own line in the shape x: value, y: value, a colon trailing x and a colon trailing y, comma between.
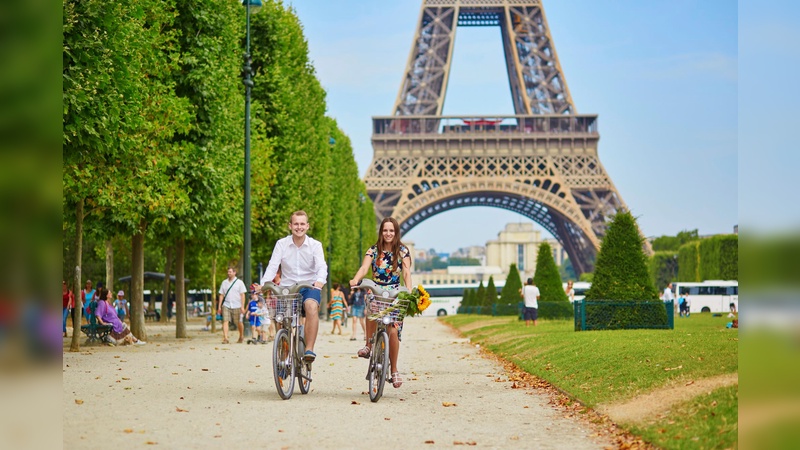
x: 519, y: 244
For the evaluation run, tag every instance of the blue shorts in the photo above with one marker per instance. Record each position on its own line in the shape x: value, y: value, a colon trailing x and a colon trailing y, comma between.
x: 357, y: 311
x: 530, y: 313
x: 310, y: 294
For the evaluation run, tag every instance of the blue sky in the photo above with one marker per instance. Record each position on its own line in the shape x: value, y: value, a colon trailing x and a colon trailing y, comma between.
x: 662, y: 76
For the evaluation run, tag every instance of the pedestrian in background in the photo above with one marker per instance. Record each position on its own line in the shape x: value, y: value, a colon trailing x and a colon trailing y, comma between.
x: 530, y: 294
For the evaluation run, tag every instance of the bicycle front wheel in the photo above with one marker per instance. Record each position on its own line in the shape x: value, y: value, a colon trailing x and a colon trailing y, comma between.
x: 379, y: 362
x: 303, y: 368
x: 283, y: 364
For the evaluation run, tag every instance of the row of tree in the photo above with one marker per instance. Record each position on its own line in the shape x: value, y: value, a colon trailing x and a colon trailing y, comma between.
x: 696, y: 259
x: 553, y: 302
x: 153, y: 119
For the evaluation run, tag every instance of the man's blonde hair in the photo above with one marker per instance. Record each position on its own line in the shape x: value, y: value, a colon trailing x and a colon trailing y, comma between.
x: 299, y: 212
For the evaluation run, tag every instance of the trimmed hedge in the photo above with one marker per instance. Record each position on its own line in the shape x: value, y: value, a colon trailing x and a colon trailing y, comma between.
x: 663, y: 268
x: 689, y: 262
x: 623, y: 315
x: 719, y: 258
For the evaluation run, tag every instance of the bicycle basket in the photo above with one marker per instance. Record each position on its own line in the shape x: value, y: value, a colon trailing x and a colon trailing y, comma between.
x: 283, y: 305
x: 380, y: 309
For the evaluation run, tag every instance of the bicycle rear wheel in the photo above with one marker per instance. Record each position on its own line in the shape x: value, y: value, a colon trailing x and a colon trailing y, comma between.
x: 283, y: 364
x: 303, y: 368
x: 378, y: 365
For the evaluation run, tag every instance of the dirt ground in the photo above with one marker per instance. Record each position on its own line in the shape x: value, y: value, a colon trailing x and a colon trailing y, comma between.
x: 199, y: 393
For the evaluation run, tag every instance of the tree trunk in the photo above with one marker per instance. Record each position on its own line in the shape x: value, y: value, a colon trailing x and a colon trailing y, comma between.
x: 110, y: 267
x: 75, y: 344
x: 180, y: 290
x: 137, y: 284
x: 213, y: 309
x: 165, y: 295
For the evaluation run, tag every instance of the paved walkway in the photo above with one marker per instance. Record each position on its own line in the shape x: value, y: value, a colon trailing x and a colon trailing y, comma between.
x: 199, y: 393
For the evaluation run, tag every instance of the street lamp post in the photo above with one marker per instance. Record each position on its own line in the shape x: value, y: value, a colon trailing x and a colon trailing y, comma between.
x: 362, y: 199
x: 247, y: 80
x: 332, y: 143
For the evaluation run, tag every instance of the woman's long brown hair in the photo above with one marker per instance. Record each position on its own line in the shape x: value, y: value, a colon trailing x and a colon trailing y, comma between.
x: 394, y: 246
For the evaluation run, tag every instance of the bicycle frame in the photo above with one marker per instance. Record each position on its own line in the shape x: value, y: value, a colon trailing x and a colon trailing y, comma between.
x: 289, y: 344
x: 385, y: 309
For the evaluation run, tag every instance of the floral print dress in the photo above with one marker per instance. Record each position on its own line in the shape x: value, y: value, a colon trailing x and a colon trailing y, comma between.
x: 384, y: 274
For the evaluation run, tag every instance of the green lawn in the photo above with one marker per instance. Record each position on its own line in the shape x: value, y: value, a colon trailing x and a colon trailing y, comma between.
x: 602, y: 367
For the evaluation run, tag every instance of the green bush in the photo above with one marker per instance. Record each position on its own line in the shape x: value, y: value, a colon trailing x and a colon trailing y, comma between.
x: 610, y: 315
x: 663, y: 268
x: 719, y: 258
x: 491, y: 293
x: 547, y: 278
x: 553, y: 301
x: 688, y: 262
x: 729, y: 257
x: 621, y: 269
x: 510, y: 292
x: 621, y: 282
x: 555, y: 310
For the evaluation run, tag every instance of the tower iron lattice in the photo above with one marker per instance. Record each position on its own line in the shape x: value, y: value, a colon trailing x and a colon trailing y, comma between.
x: 541, y: 162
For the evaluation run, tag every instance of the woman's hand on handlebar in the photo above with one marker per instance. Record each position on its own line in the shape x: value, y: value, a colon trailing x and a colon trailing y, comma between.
x: 354, y: 282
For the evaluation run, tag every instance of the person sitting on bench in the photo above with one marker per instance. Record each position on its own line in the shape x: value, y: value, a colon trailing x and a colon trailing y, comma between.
x: 107, y: 315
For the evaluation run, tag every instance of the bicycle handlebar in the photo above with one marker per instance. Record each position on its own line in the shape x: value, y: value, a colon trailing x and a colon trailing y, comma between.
x: 285, y: 290
x: 381, y: 291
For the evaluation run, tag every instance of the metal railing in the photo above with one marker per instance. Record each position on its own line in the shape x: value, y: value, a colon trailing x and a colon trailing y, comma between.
x: 495, y: 125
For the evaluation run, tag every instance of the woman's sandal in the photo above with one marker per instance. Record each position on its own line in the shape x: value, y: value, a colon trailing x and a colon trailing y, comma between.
x: 364, y: 352
x: 397, y: 380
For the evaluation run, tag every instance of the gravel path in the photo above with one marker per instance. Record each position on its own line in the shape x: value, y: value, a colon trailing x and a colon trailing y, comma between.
x: 199, y: 393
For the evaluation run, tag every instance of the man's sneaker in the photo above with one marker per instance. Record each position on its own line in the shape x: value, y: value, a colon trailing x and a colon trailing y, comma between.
x: 140, y: 342
x: 309, y: 356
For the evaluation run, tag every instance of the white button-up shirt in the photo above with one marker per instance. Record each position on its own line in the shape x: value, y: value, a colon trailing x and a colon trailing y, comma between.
x: 298, y: 264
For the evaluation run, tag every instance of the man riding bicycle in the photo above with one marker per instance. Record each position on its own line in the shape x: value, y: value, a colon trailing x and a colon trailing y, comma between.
x: 301, y: 259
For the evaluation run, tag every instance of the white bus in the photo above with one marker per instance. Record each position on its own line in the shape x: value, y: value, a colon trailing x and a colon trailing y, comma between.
x: 714, y: 296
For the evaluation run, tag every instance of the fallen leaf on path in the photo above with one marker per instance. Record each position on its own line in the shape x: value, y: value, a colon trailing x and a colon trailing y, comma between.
x: 217, y: 435
x: 204, y: 370
x: 689, y: 383
x: 181, y: 409
x: 126, y: 378
x: 117, y: 356
x: 151, y: 443
x: 429, y: 442
x: 448, y: 404
x: 387, y: 418
x: 78, y: 402
x: 128, y: 430
x: 326, y: 356
x: 354, y: 403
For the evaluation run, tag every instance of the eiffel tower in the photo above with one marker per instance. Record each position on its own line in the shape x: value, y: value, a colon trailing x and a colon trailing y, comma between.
x: 541, y: 162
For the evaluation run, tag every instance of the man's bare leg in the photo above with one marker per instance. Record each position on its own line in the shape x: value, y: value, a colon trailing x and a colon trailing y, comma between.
x: 312, y: 323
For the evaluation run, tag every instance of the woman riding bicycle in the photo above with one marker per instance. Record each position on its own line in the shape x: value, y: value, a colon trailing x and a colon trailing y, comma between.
x: 389, y: 259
